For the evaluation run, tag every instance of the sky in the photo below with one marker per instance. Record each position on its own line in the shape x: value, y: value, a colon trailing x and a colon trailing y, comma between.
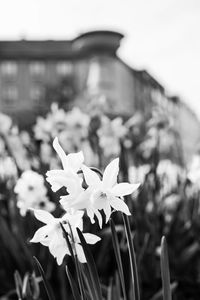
x: 162, y: 37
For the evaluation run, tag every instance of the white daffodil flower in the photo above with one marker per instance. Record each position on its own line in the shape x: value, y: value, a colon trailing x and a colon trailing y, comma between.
x: 79, y: 199
x: 71, y: 164
x: 51, y: 234
x: 107, y: 193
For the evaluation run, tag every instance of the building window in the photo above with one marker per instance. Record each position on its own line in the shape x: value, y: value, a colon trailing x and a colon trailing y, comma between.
x: 37, y: 94
x: 9, y: 68
x: 64, y: 68
x: 37, y: 68
x: 10, y: 95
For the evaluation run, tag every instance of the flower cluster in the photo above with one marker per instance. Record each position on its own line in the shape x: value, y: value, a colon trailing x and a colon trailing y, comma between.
x: 71, y: 127
x: 31, y: 192
x: 110, y: 134
x: 85, y: 192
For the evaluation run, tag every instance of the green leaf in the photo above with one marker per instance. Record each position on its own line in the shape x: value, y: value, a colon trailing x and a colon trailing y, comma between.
x: 116, y: 294
x: 159, y: 294
x: 134, y: 272
x: 118, y: 256
x: 165, y: 270
x: 88, y: 283
x: 110, y: 290
x: 46, y: 284
x: 18, y: 284
x: 65, y: 234
x: 73, y: 285
x: 26, y: 291
x: 91, y: 266
x: 75, y: 258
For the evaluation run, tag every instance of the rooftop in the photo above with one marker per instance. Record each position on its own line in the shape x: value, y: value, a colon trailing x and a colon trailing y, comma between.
x: 94, y: 41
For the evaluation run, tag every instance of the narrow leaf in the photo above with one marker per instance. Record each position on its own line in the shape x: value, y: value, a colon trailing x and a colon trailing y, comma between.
x: 116, y: 288
x: 159, y: 294
x: 65, y: 234
x: 46, y: 284
x: 74, y: 257
x: 134, y: 272
x: 91, y: 265
x: 87, y: 281
x: 26, y: 291
x: 110, y: 290
x: 18, y: 284
x: 118, y: 256
x: 73, y: 285
x: 165, y: 270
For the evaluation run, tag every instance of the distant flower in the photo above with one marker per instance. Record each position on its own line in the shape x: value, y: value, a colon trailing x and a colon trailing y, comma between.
x: 170, y: 202
x: 5, y: 123
x: 150, y: 143
x: 170, y: 175
x: 50, y: 126
x: 51, y: 234
x: 76, y: 118
x: 138, y: 173
x: 110, y: 133
x: 8, y: 168
x: 71, y: 127
x: 107, y: 193
x: 43, y: 129
x: 71, y: 164
x: 31, y: 192
x: 76, y: 130
x: 194, y: 170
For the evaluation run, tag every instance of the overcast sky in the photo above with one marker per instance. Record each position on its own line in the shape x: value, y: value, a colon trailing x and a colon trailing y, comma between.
x: 162, y: 36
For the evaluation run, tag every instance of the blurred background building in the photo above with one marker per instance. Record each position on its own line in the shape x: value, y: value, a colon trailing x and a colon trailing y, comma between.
x: 33, y: 74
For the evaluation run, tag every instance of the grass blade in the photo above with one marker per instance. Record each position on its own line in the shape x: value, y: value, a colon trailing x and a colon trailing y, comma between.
x: 74, y: 257
x: 164, y: 263
x: 90, y: 287
x: 46, y: 284
x: 110, y: 290
x: 116, y: 288
x: 159, y: 294
x: 118, y: 256
x: 26, y: 291
x: 91, y: 266
x: 134, y: 273
x: 65, y: 234
x: 18, y: 285
x: 73, y: 285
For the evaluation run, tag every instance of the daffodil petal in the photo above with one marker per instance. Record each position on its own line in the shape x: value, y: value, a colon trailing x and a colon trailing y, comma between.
x: 45, y: 242
x: 61, y: 153
x: 56, y: 182
x: 75, y: 160
x: 107, y: 211
x: 124, y: 188
x: 120, y: 205
x: 81, y: 201
x: 43, y: 216
x: 110, y: 174
x: 58, y: 247
x: 91, y: 238
x: 99, y: 217
x: 40, y: 234
x: 90, y: 214
x: 91, y: 177
x: 56, y: 173
x: 75, y: 220
x: 68, y: 180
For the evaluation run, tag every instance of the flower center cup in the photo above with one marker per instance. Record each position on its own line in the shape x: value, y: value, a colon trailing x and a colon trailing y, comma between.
x: 98, y: 199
